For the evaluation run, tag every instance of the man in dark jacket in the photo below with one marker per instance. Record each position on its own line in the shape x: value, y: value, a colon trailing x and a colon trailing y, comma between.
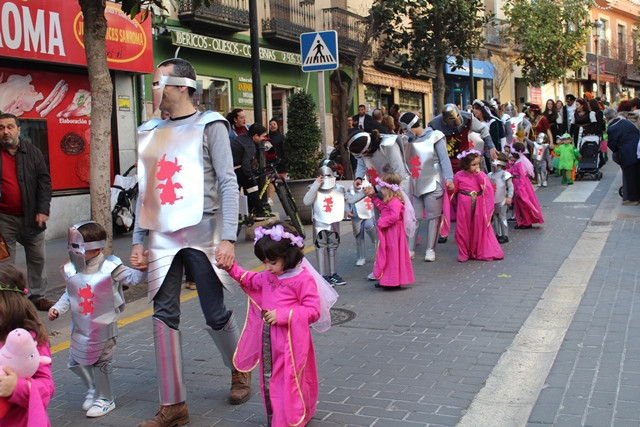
x: 25, y: 197
x: 362, y: 120
x: 623, y: 141
x: 244, y: 149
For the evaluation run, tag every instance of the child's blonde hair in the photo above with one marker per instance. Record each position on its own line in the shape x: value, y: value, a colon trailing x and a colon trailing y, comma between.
x: 391, y: 178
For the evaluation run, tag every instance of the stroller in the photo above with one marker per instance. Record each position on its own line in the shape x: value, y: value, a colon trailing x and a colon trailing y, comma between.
x: 589, y: 147
x: 124, y: 193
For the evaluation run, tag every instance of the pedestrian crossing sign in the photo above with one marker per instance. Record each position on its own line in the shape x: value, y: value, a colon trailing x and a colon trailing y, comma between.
x: 319, y: 50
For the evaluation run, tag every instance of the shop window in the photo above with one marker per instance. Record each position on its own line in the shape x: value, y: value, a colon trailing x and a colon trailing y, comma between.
x: 213, y: 94
x: 371, y: 97
x: 412, y: 102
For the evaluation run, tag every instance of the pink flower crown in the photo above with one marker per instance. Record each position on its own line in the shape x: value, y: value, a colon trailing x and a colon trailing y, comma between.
x: 278, y: 233
x: 467, y: 152
x: 384, y: 184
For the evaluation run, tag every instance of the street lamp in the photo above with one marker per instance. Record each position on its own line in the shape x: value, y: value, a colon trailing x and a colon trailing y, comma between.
x: 597, y: 24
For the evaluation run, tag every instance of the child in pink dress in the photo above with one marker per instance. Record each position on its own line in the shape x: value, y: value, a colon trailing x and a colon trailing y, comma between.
x: 283, y: 301
x: 392, y: 266
x: 474, y: 233
x: 28, y: 397
x: 525, y: 203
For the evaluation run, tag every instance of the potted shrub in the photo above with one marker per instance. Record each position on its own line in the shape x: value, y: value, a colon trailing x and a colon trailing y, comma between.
x: 302, y: 147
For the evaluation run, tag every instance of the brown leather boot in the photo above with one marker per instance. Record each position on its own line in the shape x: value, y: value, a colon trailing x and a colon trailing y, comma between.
x: 240, y: 387
x: 169, y: 416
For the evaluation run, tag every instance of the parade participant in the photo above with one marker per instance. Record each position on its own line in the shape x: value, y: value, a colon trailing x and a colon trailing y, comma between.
x: 328, y: 202
x: 456, y: 126
x: 551, y: 114
x: 525, y: 203
x: 376, y: 155
x: 28, y: 397
x: 362, y: 222
x: 474, y: 234
x: 393, y: 263
x: 539, y: 124
x: 25, y: 196
x: 502, y: 198
x: 487, y: 114
x: 284, y: 300
x: 568, y: 156
x: 426, y: 156
x: 94, y: 295
x: 540, y: 153
x: 184, y: 223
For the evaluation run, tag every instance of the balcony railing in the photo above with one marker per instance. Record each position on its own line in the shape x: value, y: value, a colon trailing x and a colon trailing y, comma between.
x: 222, y: 16
x: 285, y: 20
x: 349, y: 26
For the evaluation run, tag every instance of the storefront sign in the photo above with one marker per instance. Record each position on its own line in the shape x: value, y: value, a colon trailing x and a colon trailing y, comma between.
x: 53, y: 31
x: 245, y: 91
x: 481, y: 69
x: 226, y: 47
x: 55, y: 114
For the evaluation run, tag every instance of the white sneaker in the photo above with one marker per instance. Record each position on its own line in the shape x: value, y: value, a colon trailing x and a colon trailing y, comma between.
x: 371, y: 276
x: 360, y: 262
x: 430, y: 256
x: 412, y: 254
x: 270, y: 201
x: 88, y: 400
x: 101, y: 407
x: 544, y: 183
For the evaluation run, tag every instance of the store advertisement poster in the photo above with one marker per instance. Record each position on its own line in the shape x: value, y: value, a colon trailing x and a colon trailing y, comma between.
x: 55, y: 114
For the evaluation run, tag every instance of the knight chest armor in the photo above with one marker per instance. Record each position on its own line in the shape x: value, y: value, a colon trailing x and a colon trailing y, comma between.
x: 540, y: 151
x: 423, y: 163
x: 499, y: 180
x: 387, y: 158
x: 171, y: 172
x: 94, y: 309
x: 328, y: 207
x: 364, y: 208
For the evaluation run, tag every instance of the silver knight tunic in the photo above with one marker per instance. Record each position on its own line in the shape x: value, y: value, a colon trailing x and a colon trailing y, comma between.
x: 423, y: 162
x: 95, y: 301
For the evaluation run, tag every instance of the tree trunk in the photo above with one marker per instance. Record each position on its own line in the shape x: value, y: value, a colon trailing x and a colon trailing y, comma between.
x: 95, y: 30
x: 342, y: 112
x: 439, y: 90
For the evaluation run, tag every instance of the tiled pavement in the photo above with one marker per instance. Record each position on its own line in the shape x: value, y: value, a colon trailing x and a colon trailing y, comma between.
x: 421, y: 355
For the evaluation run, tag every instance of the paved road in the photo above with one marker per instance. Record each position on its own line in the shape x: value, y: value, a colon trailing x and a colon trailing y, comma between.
x: 543, y: 337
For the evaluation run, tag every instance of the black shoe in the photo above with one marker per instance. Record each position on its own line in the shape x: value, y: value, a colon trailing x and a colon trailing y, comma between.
x: 336, y: 280
x: 523, y: 227
x: 503, y: 239
x: 512, y: 219
x: 442, y: 239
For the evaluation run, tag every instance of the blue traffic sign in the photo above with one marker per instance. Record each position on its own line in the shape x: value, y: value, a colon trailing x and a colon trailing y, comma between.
x: 319, y: 50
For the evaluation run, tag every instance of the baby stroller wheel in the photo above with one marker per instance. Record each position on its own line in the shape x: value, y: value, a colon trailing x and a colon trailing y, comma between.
x: 620, y: 192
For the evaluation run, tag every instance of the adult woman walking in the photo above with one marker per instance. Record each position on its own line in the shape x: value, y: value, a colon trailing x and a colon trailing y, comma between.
x: 582, y: 119
x: 551, y: 114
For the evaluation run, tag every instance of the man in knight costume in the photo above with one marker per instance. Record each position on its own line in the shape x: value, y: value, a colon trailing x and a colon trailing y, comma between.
x: 94, y: 296
x: 188, y: 203
x: 377, y: 154
x: 456, y: 126
x: 426, y: 157
x: 327, y: 201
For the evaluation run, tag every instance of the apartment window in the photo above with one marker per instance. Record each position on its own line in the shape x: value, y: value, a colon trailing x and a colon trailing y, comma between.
x: 604, y: 38
x: 622, y: 43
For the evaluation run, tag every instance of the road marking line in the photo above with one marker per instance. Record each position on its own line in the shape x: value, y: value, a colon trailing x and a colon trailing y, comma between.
x: 146, y: 313
x: 579, y: 192
x: 512, y: 389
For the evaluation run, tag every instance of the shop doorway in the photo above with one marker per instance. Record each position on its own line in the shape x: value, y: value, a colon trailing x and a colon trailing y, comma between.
x: 277, y: 104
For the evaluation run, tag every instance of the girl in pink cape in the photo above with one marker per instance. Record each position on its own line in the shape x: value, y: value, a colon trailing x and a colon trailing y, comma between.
x: 525, y: 203
x: 283, y: 301
x: 397, y: 219
x: 474, y: 233
x: 28, y: 397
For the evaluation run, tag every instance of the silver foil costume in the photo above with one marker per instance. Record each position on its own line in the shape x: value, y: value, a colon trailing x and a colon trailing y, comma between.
x: 541, y: 156
x: 428, y: 163
x: 387, y: 158
x: 501, y: 179
x: 182, y: 214
x: 327, y: 212
x: 362, y: 222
